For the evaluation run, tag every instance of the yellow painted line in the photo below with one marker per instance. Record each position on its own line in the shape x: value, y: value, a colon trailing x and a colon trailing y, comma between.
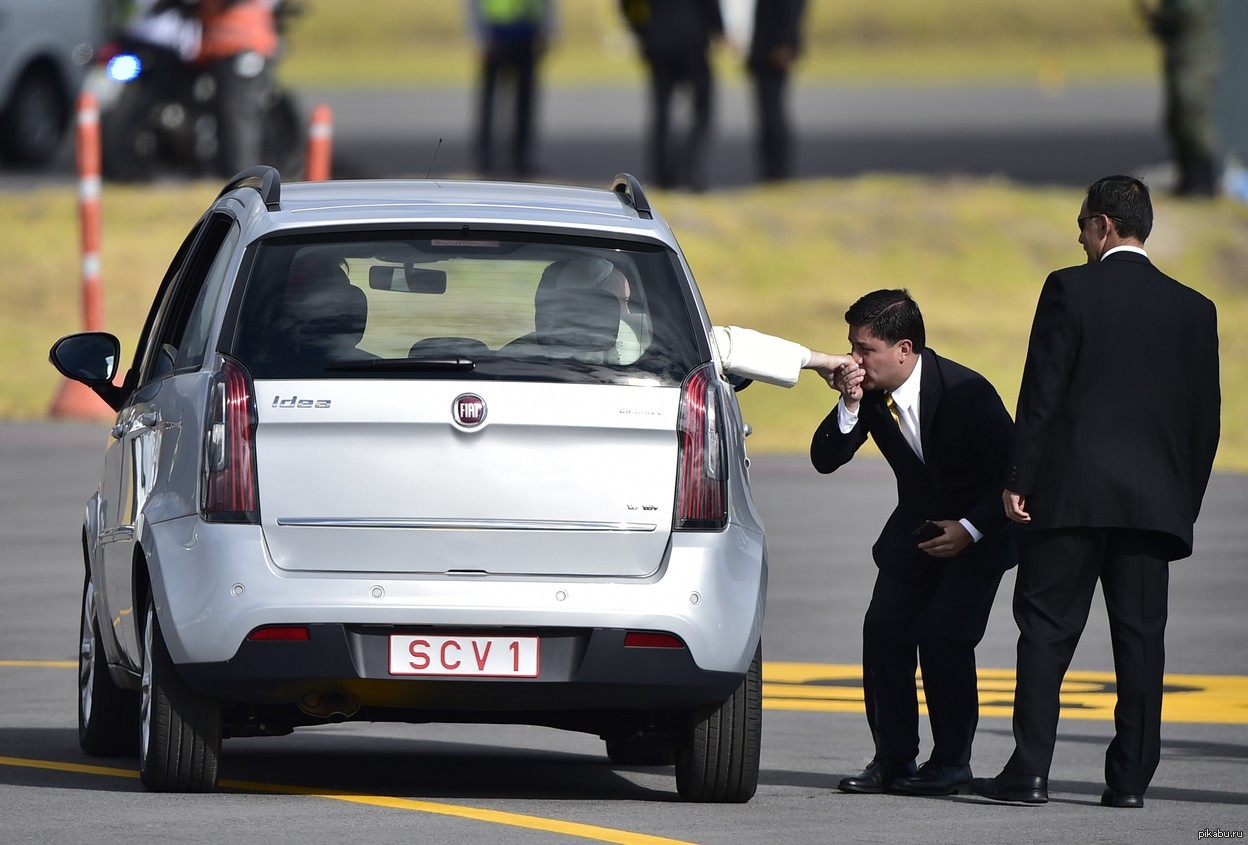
x: 837, y: 688
x: 583, y: 831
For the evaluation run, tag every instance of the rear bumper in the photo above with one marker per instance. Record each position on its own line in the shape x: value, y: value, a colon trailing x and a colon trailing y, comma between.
x: 214, y: 584
x: 580, y: 670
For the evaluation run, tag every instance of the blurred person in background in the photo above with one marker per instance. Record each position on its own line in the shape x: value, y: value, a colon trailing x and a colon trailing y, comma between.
x: 1187, y: 30
x: 238, y: 43
x: 513, y: 36
x: 675, y: 37
x: 775, y: 44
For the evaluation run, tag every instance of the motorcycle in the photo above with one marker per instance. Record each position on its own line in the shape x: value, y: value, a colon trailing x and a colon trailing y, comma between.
x: 159, y: 111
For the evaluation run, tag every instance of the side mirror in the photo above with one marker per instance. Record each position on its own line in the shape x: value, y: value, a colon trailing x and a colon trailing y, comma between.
x: 407, y: 279
x: 89, y: 357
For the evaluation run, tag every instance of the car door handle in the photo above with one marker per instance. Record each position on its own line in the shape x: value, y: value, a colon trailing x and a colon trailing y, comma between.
x: 148, y: 420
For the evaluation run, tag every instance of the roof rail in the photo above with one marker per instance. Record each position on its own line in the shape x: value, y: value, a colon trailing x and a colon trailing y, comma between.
x: 627, y: 185
x: 265, y: 179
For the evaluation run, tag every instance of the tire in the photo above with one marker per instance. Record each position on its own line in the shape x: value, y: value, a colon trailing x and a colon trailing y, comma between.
x: 130, y: 146
x: 34, y: 120
x: 719, y: 762
x: 107, y: 714
x: 640, y: 751
x: 179, y: 730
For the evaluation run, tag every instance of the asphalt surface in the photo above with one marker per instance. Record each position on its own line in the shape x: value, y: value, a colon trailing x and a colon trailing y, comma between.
x: 1061, y: 136
x: 439, y: 783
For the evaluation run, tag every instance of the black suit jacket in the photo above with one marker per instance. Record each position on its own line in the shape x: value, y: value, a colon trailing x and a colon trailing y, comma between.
x: 965, y: 430
x: 777, y: 23
x: 1118, y: 410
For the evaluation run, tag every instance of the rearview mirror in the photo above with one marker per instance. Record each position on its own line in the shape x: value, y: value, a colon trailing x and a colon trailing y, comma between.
x: 407, y: 279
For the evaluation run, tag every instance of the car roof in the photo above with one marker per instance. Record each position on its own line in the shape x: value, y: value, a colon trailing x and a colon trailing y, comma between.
x: 622, y: 209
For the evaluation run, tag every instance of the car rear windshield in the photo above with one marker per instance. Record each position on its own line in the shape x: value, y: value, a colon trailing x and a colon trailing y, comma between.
x: 501, y: 305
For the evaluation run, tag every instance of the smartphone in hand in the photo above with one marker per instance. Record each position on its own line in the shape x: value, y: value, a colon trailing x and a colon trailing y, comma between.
x: 927, y: 531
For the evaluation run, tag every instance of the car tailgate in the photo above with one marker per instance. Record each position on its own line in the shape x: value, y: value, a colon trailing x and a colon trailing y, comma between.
x: 376, y: 475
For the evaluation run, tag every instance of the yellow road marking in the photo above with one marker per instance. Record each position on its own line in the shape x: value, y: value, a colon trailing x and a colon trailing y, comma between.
x: 837, y: 688
x: 821, y: 687
x: 583, y: 831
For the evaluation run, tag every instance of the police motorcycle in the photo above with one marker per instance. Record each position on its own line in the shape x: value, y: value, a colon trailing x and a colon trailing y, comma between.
x: 158, y: 109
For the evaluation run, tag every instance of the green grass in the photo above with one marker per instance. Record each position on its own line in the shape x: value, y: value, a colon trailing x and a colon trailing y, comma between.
x: 783, y: 260
x: 381, y: 42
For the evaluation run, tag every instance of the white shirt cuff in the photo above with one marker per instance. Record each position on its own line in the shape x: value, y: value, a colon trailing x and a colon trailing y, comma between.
x: 972, y: 530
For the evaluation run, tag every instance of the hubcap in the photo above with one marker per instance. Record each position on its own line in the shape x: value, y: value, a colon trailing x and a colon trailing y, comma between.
x: 145, y: 689
x: 86, y: 653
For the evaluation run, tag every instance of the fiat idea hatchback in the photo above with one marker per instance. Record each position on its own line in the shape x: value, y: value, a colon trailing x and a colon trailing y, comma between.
x: 422, y: 451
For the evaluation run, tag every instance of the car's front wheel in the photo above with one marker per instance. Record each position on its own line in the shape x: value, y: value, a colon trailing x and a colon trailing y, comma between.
x: 179, y: 730
x: 719, y: 761
x: 106, y: 713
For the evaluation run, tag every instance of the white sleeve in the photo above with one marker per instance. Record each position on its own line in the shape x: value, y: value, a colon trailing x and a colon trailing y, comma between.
x: 758, y: 356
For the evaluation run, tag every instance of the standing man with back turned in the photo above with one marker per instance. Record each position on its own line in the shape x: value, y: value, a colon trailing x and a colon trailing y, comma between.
x: 946, y: 434
x: 1107, y: 482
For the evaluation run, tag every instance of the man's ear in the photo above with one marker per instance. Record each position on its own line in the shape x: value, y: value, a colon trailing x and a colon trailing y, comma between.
x: 906, y: 347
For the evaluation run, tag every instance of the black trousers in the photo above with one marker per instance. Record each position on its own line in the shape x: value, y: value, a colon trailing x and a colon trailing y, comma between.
x: 1057, y: 575
x: 775, y: 141
x: 680, y: 162
x: 514, y: 63
x: 935, y: 621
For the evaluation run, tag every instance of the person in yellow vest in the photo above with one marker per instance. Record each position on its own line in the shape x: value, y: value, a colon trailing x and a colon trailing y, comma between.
x: 512, y: 36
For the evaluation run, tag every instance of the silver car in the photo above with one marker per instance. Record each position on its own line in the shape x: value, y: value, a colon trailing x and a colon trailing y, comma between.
x: 423, y: 451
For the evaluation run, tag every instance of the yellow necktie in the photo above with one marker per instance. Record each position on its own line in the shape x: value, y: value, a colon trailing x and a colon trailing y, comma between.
x: 892, y: 409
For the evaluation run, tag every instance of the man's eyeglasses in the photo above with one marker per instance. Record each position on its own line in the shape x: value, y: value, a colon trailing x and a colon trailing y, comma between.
x: 1083, y: 220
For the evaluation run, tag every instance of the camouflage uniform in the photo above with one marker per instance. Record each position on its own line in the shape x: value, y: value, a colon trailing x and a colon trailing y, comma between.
x: 1187, y: 30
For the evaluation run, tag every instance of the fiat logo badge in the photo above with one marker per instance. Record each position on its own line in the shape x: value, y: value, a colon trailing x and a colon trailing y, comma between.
x: 468, y: 409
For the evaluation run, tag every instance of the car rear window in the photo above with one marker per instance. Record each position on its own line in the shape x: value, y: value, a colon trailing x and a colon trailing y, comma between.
x: 500, y: 305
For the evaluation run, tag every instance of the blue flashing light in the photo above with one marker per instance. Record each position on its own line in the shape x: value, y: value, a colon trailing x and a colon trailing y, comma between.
x: 124, y: 67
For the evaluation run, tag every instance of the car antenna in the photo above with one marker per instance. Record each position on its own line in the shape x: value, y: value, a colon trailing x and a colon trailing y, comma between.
x: 435, y: 158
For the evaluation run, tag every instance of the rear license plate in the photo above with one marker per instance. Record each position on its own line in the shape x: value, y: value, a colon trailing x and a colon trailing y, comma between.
x: 484, y: 657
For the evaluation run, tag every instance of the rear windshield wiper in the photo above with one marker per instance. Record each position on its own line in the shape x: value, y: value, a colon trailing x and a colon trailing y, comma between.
x: 407, y: 365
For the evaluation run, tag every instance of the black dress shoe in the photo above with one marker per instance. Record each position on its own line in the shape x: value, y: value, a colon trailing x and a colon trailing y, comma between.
x: 934, y: 779
x: 1109, y: 798
x: 877, y: 777
x: 1027, y: 789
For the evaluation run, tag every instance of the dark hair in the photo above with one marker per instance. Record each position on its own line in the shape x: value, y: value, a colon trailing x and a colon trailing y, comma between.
x: 1125, y: 200
x: 891, y: 315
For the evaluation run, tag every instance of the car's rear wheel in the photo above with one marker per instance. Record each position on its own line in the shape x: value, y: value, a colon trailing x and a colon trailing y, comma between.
x: 107, y: 714
x: 719, y: 762
x: 179, y: 730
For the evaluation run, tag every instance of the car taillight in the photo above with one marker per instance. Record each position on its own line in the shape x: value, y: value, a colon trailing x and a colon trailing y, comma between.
x: 229, y: 483
x: 702, y: 476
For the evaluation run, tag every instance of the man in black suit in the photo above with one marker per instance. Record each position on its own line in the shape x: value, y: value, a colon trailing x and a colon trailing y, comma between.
x: 675, y: 37
x: 774, y: 46
x: 947, y: 445
x: 1107, y: 482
